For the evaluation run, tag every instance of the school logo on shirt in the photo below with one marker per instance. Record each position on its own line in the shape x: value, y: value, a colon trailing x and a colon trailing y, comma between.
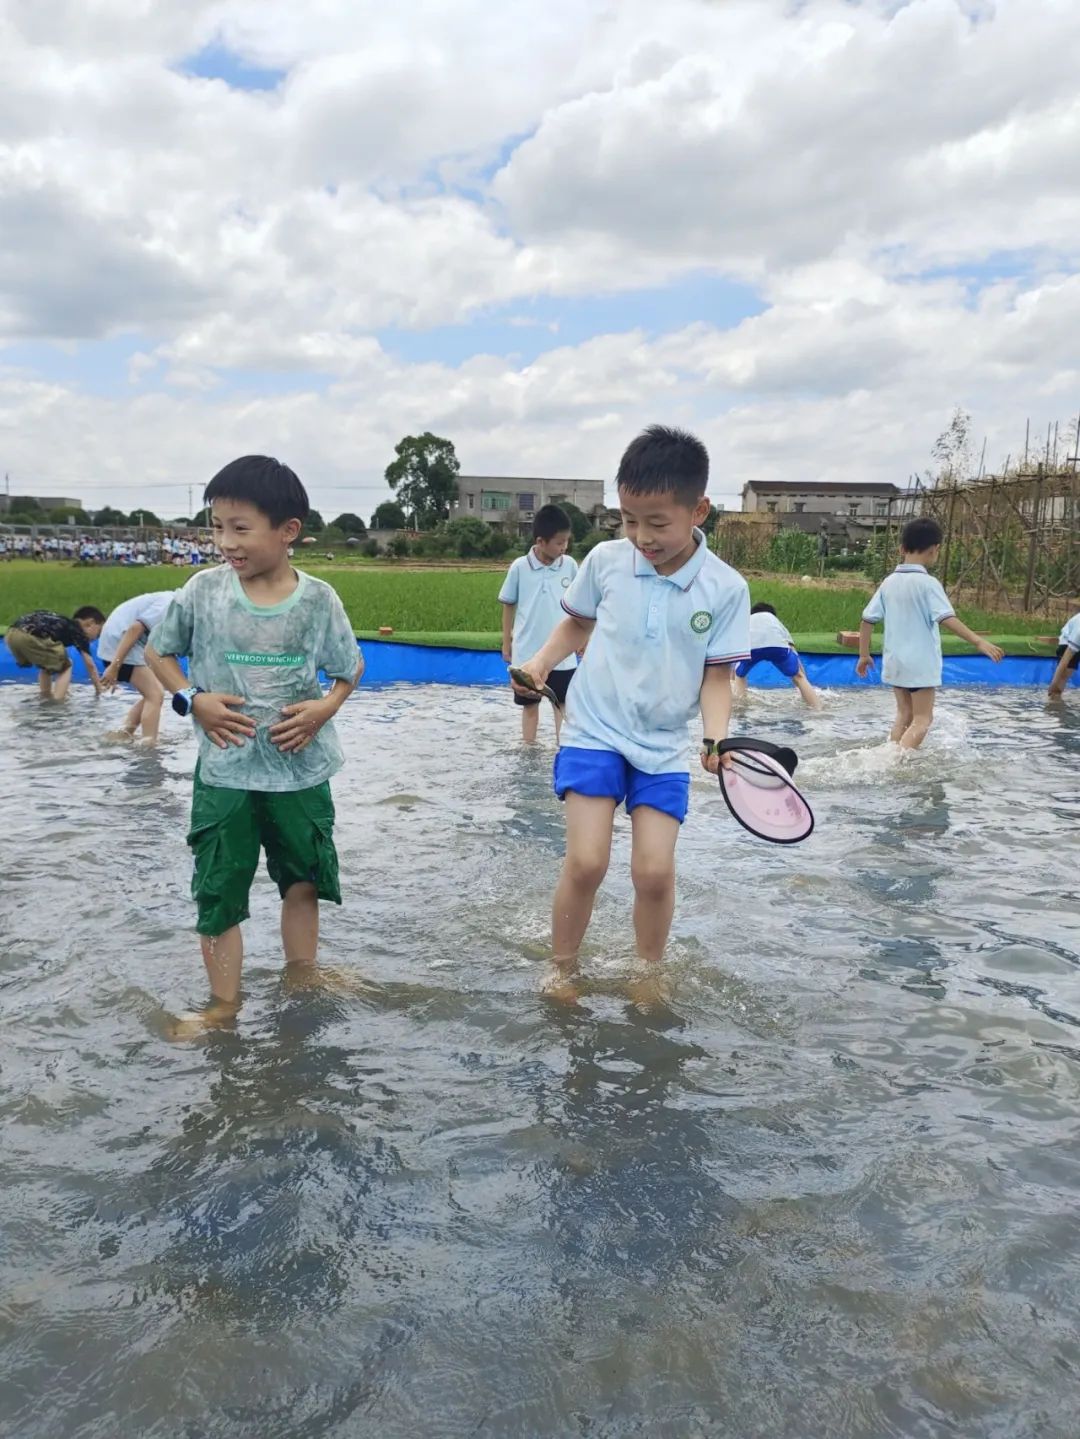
x: 238, y: 657
x: 700, y: 621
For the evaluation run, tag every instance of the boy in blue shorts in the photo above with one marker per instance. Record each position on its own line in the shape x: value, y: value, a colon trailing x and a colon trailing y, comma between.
x: 1068, y: 654
x: 664, y: 620
x: 531, y: 597
x: 771, y: 643
x: 913, y: 605
x: 257, y: 634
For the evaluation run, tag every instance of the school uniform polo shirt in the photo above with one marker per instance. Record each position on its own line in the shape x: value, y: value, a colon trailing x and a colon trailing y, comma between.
x: 912, y: 603
x: 537, y: 590
x: 637, y: 688
x: 768, y: 633
x: 1070, y: 635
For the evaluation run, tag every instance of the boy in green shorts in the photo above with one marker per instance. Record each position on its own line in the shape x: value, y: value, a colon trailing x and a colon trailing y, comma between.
x: 257, y: 633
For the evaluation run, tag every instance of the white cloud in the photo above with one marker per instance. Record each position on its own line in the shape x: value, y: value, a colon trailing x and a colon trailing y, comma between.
x: 420, y: 164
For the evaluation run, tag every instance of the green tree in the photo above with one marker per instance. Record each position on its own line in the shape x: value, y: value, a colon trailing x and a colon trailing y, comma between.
x: 398, y: 548
x: 332, y: 535
x: 424, y: 477
x: 144, y: 518
x: 202, y: 519
x: 589, y: 542
x: 350, y: 524
x: 468, y: 536
x: 580, y: 524
x: 109, y: 516
x: 388, y: 516
x: 314, y: 524
x: 791, y: 550
x: 25, y: 505
x: 61, y: 517
x: 708, y: 524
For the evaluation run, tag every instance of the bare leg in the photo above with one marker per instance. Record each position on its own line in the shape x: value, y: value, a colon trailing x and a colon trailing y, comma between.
x: 61, y: 684
x: 530, y: 721
x: 922, y: 719
x: 44, y: 679
x: 150, y: 705
x: 133, y: 716
x: 806, y: 689
x: 300, y: 924
x: 588, y: 849
x: 652, y: 868
x: 904, y: 714
x: 223, y: 955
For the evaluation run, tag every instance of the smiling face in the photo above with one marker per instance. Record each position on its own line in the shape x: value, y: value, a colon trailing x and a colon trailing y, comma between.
x: 248, y: 540
x: 661, y: 527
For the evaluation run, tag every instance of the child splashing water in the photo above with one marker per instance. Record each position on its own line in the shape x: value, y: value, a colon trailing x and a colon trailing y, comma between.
x: 913, y: 605
x: 257, y: 634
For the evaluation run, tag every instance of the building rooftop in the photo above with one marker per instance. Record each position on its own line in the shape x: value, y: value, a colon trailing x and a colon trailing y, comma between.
x: 836, y: 487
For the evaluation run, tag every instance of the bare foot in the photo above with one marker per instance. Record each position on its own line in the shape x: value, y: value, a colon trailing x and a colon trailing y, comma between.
x: 299, y: 976
x: 215, y: 1015
x: 561, y: 985
x: 651, y: 991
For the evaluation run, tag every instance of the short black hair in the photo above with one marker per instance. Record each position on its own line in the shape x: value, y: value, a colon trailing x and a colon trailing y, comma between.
x: 921, y: 534
x: 263, y: 482
x: 89, y: 612
x: 762, y: 609
x: 665, y: 461
x: 550, y: 521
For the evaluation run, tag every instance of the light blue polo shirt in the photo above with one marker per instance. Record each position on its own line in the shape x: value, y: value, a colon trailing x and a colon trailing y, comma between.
x: 1070, y: 635
x: 912, y: 603
x: 537, y: 590
x: 637, y: 688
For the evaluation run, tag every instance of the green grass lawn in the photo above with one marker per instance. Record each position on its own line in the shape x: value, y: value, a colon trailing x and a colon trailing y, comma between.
x: 460, y: 607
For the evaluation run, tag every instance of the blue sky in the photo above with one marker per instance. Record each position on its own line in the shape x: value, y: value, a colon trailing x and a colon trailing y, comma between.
x: 345, y: 191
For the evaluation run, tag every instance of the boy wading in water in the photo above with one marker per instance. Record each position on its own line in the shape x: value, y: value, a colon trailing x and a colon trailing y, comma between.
x: 664, y: 621
x: 531, y: 597
x: 257, y: 634
x: 40, y: 641
x: 913, y: 605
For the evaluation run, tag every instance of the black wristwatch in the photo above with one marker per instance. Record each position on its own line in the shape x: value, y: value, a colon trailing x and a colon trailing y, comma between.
x: 183, y: 700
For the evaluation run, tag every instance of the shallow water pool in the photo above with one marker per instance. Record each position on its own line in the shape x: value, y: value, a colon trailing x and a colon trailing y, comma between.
x: 829, y: 1189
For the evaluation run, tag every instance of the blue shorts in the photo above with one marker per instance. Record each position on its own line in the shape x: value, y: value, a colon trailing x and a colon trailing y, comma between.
x: 784, y: 658
x: 604, y: 774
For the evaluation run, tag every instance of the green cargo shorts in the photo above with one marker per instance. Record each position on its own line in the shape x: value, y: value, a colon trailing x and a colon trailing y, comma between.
x: 228, y: 827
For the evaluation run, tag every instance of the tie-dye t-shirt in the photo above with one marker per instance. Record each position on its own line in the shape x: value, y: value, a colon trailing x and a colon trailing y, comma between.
x: 272, y: 656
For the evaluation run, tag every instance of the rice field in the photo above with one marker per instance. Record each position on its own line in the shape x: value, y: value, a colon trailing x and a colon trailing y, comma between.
x: 438, y: 602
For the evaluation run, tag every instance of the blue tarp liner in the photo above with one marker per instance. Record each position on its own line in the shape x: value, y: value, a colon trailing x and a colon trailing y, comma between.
x: 390, y: 663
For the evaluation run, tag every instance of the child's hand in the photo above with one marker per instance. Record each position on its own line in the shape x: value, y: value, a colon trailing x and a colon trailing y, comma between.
x: 110, y: 676
x: 993, y: 652
x: 217, y: 715
x: 864, y: 665
x: 539, y: 672
x: 304, y: 721
x: 714, y: 763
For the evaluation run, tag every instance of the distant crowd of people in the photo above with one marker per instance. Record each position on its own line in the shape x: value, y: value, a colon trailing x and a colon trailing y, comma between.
x: 165, y: 549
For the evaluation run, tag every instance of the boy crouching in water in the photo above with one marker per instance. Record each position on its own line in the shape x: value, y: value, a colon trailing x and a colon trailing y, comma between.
x: 664, y: 621
x: 257, y: 633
